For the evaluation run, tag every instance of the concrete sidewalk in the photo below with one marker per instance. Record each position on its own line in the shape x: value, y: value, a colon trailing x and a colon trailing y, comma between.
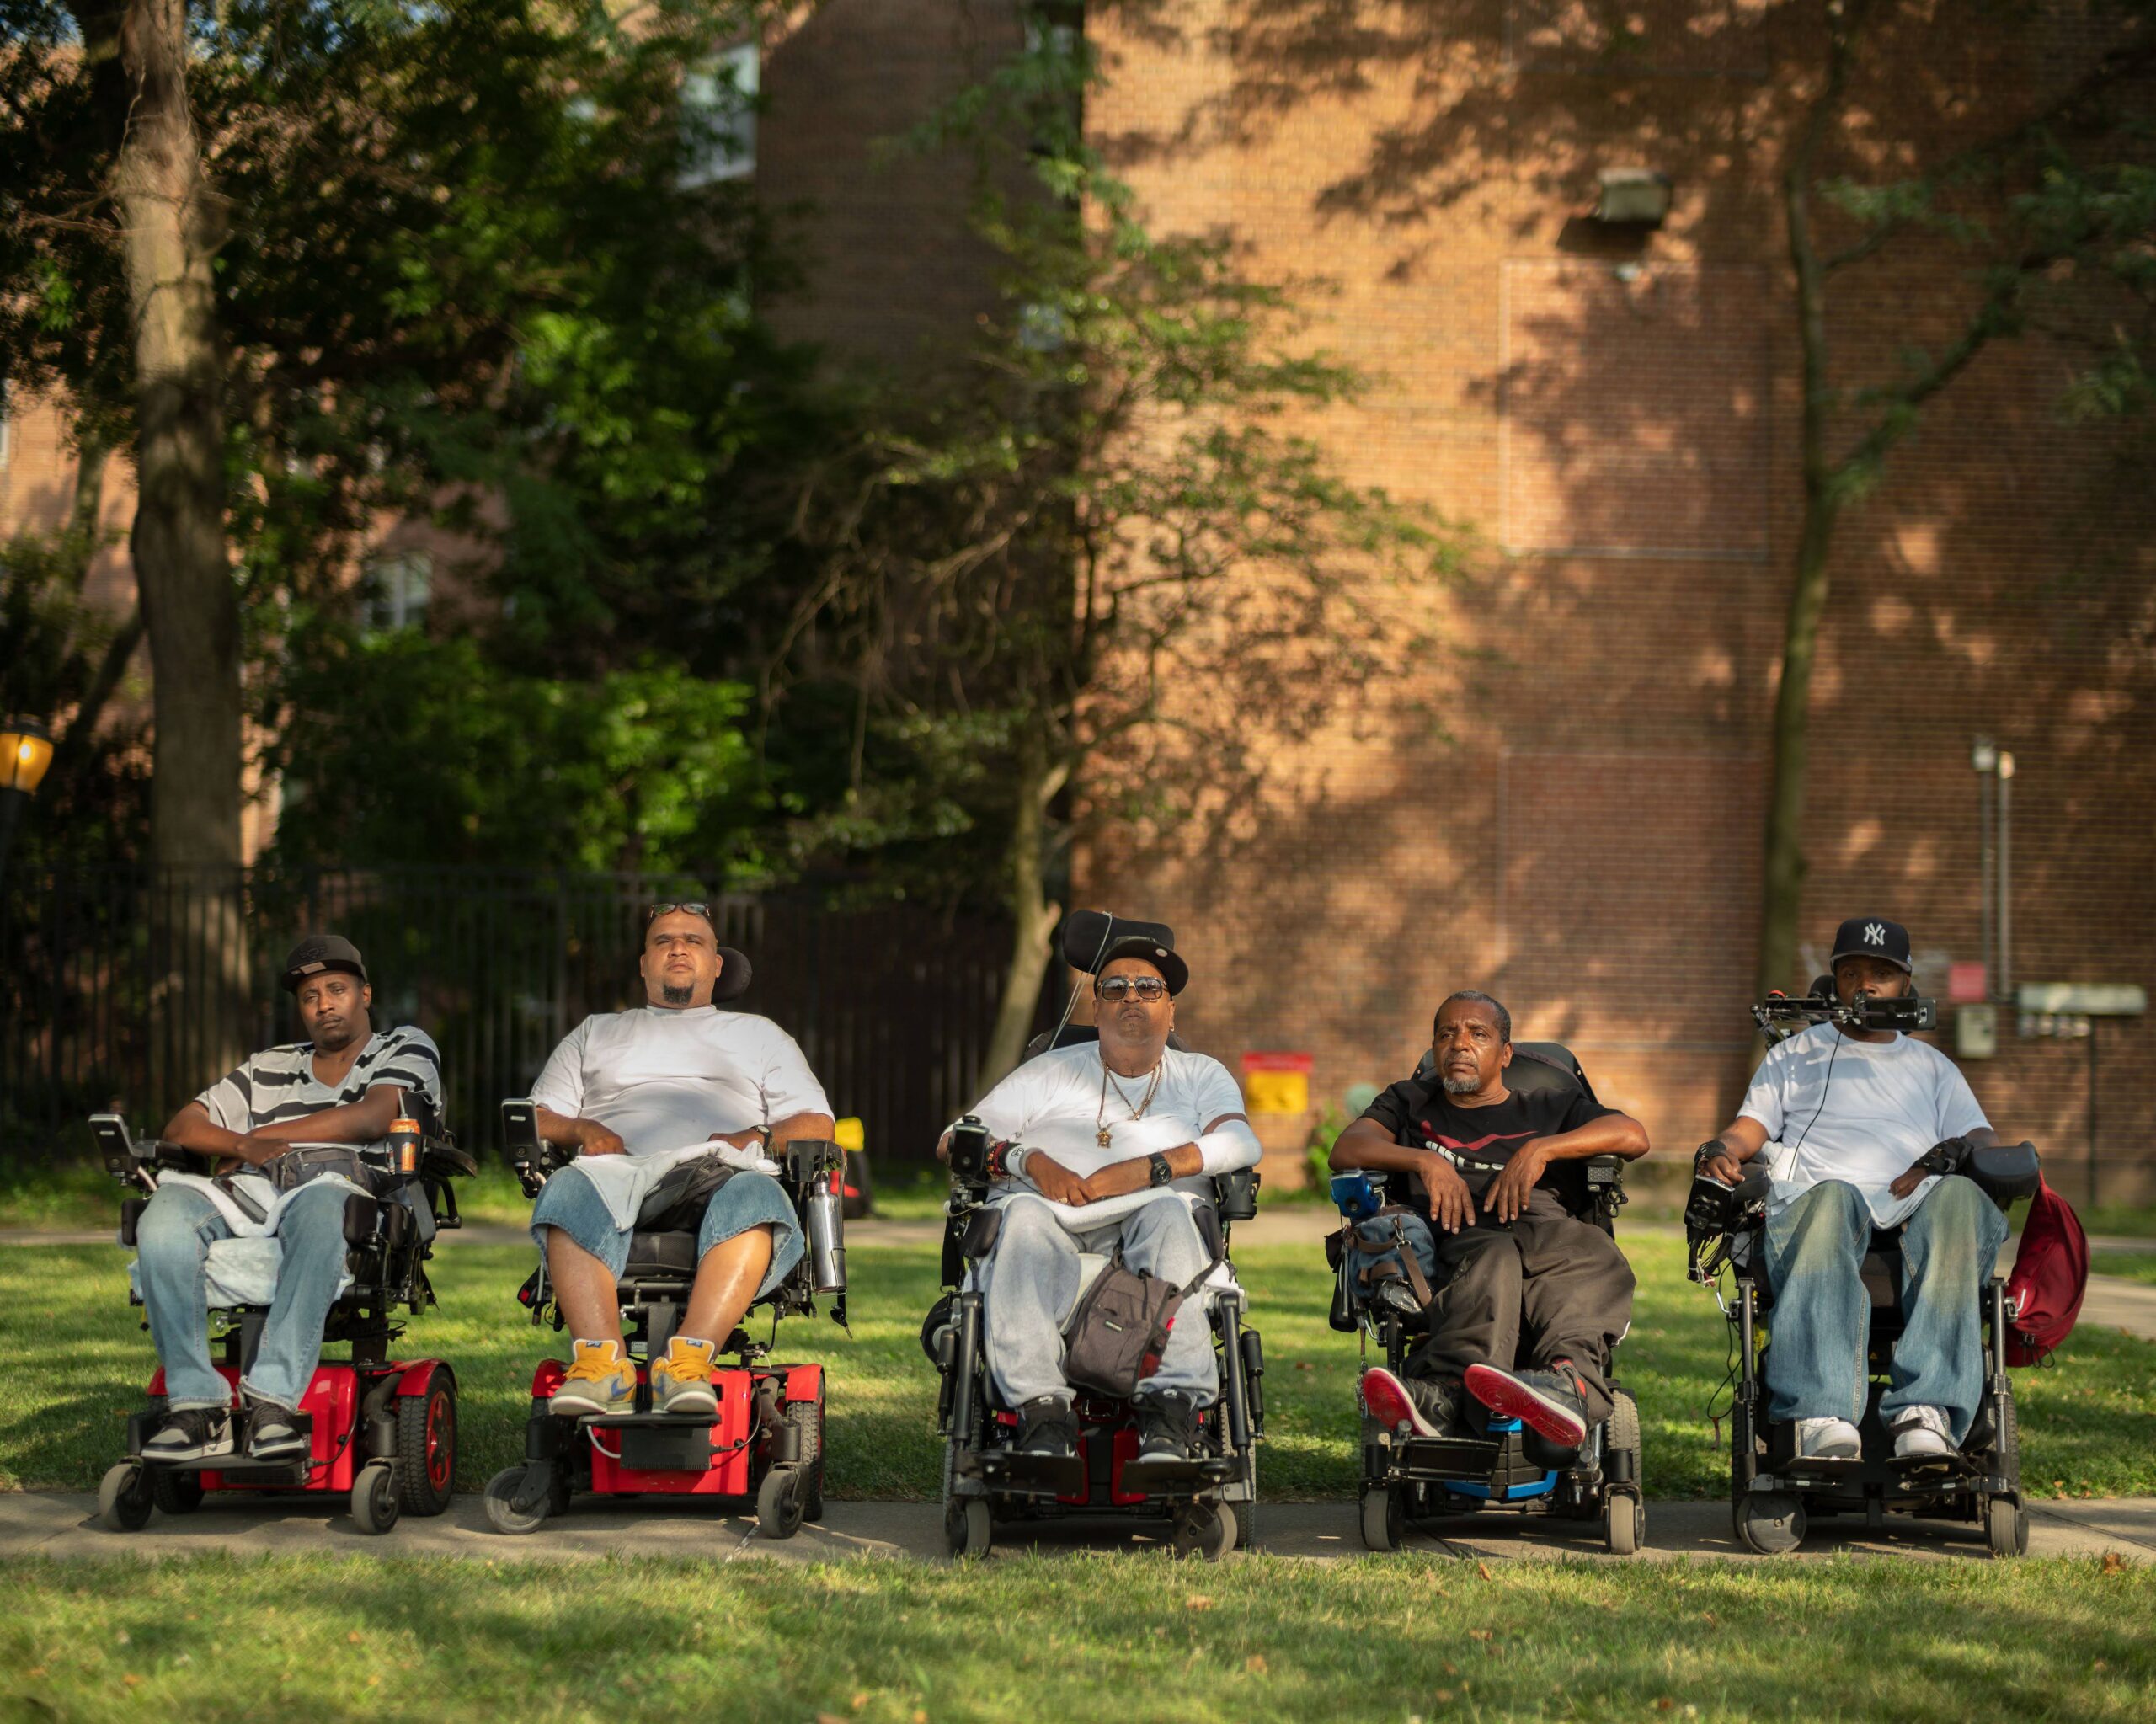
x: 64, y: 1526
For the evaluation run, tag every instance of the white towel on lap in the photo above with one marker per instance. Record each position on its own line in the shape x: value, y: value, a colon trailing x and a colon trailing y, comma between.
x: 624, y: 1182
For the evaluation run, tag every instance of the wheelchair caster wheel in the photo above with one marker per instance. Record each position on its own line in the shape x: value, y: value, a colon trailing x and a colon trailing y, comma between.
x: 1206, y: 1529
x: 375, y: 1506
x: 1623, y: 1524
x: 969, y: 1528
x: 1384, y: 1519
x: 504, y: 1516
x: 176, y: 1492
x: 2006, y: 1527
x: 123, y: 1498
x: 1770, y: 1522
x: 780, y: 1500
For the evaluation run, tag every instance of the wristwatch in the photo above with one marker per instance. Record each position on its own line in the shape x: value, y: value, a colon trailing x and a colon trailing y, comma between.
x: 1162, y: 1173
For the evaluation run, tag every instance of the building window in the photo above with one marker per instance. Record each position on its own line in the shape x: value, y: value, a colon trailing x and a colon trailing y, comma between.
x: 393, y: 594
x: 718, y: 113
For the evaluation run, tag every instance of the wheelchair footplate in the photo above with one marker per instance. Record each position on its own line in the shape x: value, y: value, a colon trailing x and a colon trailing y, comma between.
x: 660, y: 1442
x: 1445, y: 1458
x: 292, y: 1469
x: 1025, y: 1475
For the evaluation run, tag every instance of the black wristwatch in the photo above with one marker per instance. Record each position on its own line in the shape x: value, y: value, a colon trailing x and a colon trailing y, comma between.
x: 1162, y: 1173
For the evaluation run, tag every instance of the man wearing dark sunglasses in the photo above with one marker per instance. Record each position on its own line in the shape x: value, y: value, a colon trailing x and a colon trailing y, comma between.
x: 635, y: 1093
x: 1095, y: 1139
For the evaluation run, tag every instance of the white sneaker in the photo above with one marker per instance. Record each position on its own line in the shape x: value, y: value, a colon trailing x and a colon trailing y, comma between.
x: 1922, y: 1431
x: 1827, y: 1439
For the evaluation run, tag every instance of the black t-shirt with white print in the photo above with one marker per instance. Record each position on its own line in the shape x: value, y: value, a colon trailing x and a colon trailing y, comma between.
x: 1420, y: 1116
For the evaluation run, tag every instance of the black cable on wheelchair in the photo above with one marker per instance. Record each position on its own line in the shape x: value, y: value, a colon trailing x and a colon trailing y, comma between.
x: 1826, y: 1088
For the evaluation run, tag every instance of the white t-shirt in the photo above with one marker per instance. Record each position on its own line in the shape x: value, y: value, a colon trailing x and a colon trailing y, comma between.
x: 662, y: 1079
x: 1052, y: 1102
x: 1859, y: 1112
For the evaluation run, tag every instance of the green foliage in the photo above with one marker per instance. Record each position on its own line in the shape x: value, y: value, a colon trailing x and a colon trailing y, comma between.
x: 395, y: 748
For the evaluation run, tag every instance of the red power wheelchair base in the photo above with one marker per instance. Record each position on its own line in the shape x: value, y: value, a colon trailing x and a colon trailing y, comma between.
x: 765, y: 1445
x: 383, y: 1432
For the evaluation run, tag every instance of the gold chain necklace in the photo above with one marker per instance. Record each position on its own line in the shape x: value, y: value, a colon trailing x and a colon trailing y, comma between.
x: 1101, y: 1129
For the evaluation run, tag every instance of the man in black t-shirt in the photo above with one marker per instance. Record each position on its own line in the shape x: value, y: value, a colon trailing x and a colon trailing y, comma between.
x: 1500, y: 1176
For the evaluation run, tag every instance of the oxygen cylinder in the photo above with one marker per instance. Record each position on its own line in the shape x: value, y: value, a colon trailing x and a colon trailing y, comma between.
x: 826, y: 1231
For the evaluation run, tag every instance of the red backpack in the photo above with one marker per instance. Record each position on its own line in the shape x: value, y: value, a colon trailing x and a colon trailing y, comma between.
x: 2050, y: 1273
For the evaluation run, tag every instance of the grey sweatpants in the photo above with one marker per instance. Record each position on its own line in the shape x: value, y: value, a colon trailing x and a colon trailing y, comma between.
x: 1030, y: 1282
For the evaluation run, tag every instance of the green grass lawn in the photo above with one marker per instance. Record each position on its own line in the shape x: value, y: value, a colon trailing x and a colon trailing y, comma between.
x: 78, y: 1362
x: 1080, y: 1636
x: 2127, y: 1265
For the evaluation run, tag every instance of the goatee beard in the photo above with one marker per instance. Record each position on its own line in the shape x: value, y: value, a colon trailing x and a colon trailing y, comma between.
x: 1462, y: 1086
x: 675, y: 996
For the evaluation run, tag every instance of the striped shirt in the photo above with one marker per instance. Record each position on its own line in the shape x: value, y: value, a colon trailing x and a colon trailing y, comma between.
x: 280, y: 1084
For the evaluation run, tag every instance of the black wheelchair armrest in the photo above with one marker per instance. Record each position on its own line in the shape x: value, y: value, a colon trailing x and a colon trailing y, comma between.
x: 2005, y: 1172
x: 1234, y: 1194
x: 803, y: 1159
x: 440, y: 1158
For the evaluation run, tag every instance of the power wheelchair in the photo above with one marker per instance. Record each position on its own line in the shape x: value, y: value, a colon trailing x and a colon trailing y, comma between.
x: 1209, y: 1500
x: 382, y: 1430
x: 1775, y: 1493
x: 767, y: 1440
x: 1408, y: 1478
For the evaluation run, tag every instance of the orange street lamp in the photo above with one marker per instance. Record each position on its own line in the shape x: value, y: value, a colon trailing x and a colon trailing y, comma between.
x: 25, y: 751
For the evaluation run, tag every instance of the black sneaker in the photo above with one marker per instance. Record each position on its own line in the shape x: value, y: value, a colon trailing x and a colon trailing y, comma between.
x: 1428, y: 1408
x: 192, y: 1433
x: 273, y: 1433
x: 1047, y: 1427
x: 1549, y: 1402
x: 1167, y: 1426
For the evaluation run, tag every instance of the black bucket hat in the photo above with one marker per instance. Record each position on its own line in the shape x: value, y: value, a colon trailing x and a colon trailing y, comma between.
x: 319, y: 953
x: 1093, y: 939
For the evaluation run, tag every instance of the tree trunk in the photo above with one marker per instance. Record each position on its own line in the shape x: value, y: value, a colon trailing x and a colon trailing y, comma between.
x: 1033, y: 917
x: 171, y: 222
x: 1791, y: 745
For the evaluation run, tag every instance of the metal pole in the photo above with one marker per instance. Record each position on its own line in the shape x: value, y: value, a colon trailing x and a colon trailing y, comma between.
x: 2005, y: 875
x: 1985, y: 758
x: 10, y: 809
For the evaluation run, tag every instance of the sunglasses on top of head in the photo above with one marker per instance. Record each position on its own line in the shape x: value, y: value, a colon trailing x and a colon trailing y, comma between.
x: 692, y: 906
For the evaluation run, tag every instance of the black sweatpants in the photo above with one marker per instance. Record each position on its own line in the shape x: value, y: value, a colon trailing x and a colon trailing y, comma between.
x: 1561, y: 1282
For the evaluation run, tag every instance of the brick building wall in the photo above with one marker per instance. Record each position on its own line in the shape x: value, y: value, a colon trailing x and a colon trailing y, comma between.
x: 1617, y: 419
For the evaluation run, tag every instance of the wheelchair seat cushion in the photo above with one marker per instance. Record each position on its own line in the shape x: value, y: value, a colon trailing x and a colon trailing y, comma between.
x: 667, y: 1255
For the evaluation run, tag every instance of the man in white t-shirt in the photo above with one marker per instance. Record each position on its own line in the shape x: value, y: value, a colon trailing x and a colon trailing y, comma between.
x: 636, y: 1093
x: 1852, y: 1117
x: 346, y: 1084
x: 1101, y: 1135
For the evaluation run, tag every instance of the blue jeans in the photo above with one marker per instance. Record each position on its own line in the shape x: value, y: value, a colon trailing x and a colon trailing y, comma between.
x: 173, y: 1240
x: 1822, y: 1316
x: 572, y: 1203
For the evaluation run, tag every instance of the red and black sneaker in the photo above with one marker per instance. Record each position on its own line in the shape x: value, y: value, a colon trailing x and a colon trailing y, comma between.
x: 1550, y: 1403
x: 1427, y: 1408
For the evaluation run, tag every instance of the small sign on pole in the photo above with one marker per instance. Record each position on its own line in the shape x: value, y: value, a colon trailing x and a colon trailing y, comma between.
x: 1276, y: 1083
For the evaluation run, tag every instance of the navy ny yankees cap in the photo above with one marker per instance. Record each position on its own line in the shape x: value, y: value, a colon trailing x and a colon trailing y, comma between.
x: 1872, y: 936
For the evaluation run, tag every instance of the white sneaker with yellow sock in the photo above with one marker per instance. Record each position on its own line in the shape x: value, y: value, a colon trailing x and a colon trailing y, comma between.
x: 681, y: 1381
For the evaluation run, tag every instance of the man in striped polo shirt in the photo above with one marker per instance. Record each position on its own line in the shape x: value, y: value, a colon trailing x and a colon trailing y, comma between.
x: 347, y: 1084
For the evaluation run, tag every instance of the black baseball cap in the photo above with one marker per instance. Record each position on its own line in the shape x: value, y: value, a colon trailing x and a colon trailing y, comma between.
x: 1872, y: 936
x: 319, y: 953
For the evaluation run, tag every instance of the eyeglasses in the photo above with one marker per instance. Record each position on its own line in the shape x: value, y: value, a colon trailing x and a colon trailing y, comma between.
x: 1115, y: 988
x: 692, y: 907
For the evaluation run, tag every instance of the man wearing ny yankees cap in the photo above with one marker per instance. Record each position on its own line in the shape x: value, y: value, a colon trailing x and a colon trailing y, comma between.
x: 1854, y: 1123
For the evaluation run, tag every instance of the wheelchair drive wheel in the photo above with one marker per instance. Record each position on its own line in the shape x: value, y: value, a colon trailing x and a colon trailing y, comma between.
x: 505, y: 1517
x: 426, y: 1447
x: 375, y: 1506
x: 969, y: 1527
x: 176, y: 1492
x: 1206, y: 1529
x: 123, y: 1498
x: 1769, y: 1522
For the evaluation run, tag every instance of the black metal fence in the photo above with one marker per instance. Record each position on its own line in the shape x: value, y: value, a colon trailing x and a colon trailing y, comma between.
x: 108, y: 992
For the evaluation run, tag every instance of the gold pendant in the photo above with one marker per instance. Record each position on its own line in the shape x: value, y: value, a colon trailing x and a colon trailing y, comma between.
x: 1101, y: 1137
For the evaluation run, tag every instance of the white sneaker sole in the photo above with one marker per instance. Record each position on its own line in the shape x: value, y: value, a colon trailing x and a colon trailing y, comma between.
x: 212, y: 1450
x: 700, y: 1400
x: 569, y: 1404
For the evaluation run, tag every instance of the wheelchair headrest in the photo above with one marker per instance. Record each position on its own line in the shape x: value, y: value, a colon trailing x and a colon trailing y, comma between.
x: 1086, y: 933
x: 1536, y: 1066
